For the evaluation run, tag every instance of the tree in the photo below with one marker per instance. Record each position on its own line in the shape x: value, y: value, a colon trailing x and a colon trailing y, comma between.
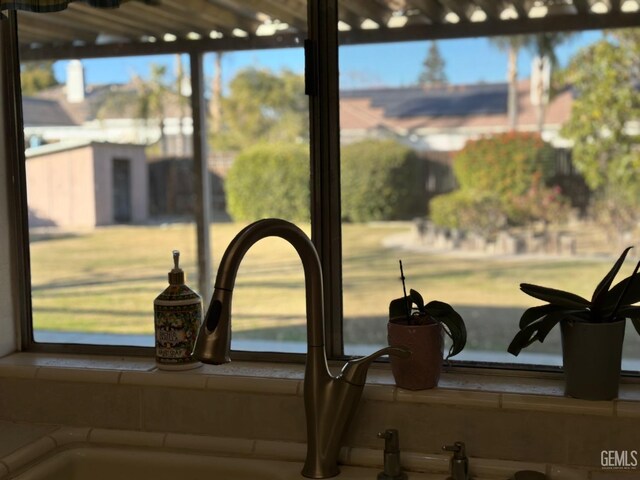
x: 36, y: 76
x: 604, y: 77
x: 152, y: 95
x: 512, y: 46
x: 434, y: 64
x: 263, y: 107
x: 544, y: 46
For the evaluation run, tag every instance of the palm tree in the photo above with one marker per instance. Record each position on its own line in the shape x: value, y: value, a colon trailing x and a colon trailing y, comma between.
x: 544, y: 45
x: 512, y: 46
x: 152, y: 94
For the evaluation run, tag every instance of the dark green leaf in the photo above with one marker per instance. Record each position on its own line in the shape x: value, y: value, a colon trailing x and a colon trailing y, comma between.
x: 632, y: 296
x: 600, y: 293
x: 547, y: 324
x: 554, y: 297
x: 452, y: 322
x: 417, y: 299
x: 629, y: 312
x: 532, y: 314
x: 523, y: 338
x: 636, y: 324
x: 400, y: 308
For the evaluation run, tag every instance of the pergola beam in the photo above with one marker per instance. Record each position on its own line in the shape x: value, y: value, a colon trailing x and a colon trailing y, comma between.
x: 431, y: 9
x: 492, y: 8
x: 583, y: 7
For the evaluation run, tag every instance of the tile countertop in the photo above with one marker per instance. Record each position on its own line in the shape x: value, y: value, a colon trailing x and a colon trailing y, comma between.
x: 25, y: 445
x: 487, y: 389
x: 20, y: 443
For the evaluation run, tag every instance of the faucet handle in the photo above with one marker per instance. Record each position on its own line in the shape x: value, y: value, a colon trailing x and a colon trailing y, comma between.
x: 355, y: 371
x: 457, y: 448
x: 391, y: 440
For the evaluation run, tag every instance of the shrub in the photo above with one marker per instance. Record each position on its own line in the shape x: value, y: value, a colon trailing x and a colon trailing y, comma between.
x: 505, y: 164
x: 479, y: 212
x: 381, y: 180
x: 269, y: 180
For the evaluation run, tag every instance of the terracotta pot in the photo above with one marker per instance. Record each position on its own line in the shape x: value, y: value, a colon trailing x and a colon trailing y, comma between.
x: 592, y: 355
x: 422, y: 369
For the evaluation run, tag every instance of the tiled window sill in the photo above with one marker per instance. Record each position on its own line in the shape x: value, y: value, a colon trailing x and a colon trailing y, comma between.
x: 472, y: 390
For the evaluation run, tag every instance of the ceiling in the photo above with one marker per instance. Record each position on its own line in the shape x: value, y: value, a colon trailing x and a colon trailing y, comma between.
x: 174, y: 25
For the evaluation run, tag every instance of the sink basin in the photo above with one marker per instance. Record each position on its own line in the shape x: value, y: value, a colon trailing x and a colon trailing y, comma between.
x: 101, y: 463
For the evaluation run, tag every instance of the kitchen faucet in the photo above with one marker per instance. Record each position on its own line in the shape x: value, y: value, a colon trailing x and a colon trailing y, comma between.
x: 330, y: 402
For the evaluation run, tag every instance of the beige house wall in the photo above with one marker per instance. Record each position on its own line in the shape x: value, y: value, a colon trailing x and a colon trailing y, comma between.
x: 104, y: 154
x: 60, y: 189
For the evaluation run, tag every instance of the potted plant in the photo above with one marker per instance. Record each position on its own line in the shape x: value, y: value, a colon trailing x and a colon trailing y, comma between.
x: 592, y: 330
x: 421, y: 329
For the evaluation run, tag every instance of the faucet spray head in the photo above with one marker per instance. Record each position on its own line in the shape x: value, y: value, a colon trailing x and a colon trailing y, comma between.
x: 214, y: 339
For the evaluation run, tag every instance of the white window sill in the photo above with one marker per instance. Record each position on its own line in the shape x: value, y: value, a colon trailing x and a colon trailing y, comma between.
x: 481, y: 389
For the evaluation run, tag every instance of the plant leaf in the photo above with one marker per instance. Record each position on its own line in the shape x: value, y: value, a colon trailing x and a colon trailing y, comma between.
x: 547, y: 324
x: 537, y: 330
x: 600, y: 293
x: 532, y: 314
x: 632, y: 296
x: 523, y: 339
x: 555, y: 297
x: 417, y: 299
x: 452, y: 322
x: 399, y: 307
x: 636, y: 324
x: 629, y: 312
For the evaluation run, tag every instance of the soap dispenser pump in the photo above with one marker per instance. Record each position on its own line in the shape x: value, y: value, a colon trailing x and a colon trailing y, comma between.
x: 178, y: 315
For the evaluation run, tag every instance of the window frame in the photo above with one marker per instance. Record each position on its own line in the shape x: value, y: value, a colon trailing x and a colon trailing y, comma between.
x: 322, y: 85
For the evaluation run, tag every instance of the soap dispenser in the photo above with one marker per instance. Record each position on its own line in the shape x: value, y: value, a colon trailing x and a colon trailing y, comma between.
x: 178, y: 315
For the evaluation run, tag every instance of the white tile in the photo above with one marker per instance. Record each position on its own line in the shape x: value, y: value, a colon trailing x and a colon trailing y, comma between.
x: 99, y: 362
x: 627, y: 409
x: 545, y: 403
x: 280, y: 450
x: 383, y: 393
x: 67, y: 435
x: 204, y: 443
x: 501, y: 468
x: 561, y: 472
x: 441, y: 396
x: 425, y: 462
x: 88, y: 375
x: 18, y: 371
x: 164, y: 379
x: 253, y: 385
x: 126, y: 437
x: 365, y: 457
x: 28, y: 453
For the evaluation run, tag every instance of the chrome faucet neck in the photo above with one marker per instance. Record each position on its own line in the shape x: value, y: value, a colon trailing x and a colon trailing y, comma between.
x: 330, y: 402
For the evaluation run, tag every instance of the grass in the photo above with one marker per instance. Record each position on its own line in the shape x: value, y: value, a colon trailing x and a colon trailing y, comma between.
x: 105, y: 281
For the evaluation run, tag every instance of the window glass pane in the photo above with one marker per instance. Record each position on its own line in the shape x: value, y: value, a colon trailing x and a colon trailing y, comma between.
x: 110, y: 174
x: 469, y: 160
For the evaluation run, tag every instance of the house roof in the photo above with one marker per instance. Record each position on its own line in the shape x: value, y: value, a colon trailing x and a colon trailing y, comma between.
x: 44, y: 112
x: 445, y: 107
x: 110, y: 101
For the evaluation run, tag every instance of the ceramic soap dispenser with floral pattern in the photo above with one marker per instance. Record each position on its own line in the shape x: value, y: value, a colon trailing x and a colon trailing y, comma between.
x: 178, y: 315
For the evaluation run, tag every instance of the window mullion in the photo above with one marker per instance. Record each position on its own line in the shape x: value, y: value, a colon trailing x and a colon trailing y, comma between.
x: 325, y: 163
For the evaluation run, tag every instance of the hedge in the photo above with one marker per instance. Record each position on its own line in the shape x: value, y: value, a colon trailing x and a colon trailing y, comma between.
x: 381, y: 180
x: 269, y: 180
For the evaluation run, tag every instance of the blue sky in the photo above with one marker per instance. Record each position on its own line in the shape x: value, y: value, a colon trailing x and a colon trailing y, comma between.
x: 391, y: 64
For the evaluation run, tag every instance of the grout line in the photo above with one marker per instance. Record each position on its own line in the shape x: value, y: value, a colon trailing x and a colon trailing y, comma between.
x: 164, y: 440
x: 119, y: 381
x: 254, y: 446
x: 500, y: 401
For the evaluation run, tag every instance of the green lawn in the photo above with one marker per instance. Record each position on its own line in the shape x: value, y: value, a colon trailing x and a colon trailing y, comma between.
x: 106, y: 280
